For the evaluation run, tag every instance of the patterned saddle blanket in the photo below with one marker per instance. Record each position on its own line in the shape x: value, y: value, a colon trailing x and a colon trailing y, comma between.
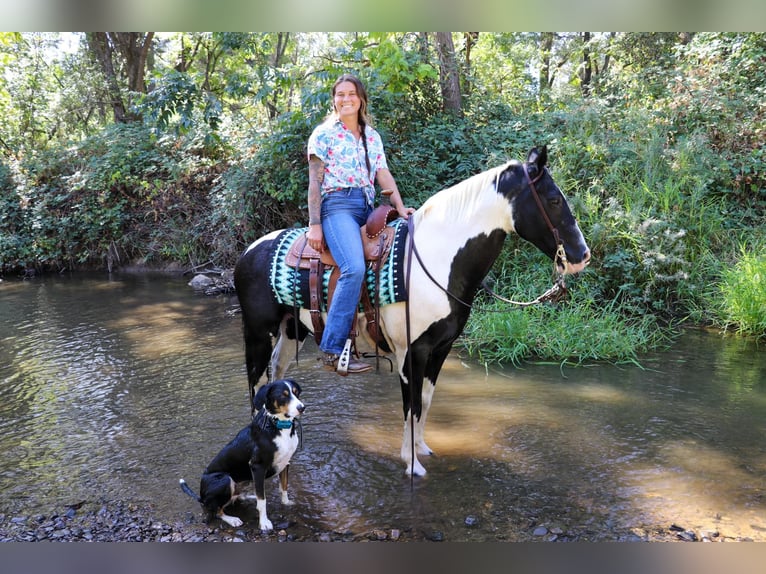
x: 291, y: 285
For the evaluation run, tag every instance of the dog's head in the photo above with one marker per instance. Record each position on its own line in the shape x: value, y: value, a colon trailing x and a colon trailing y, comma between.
x: 281, y: 399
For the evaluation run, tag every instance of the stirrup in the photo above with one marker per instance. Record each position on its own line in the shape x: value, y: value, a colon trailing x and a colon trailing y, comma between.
x: 344, y: 359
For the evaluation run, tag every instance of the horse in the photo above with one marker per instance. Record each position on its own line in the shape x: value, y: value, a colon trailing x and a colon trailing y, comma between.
x: 456, y: 236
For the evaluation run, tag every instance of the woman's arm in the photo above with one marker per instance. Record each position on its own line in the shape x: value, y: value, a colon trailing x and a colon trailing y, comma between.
x: 387, y: 183
x: 315, y: 235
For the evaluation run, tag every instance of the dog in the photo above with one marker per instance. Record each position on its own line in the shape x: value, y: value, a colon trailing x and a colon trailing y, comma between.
x: 260, y: 450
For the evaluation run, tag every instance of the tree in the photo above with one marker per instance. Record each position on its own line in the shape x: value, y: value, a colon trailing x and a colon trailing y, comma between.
x: 470, y: 39
x: 449, y: 76
x: 586, y: 68
x: 134, y: 49
x: 545, y: 77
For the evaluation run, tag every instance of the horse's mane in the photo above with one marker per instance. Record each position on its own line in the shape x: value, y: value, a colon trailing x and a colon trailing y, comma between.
x: 462, y: 199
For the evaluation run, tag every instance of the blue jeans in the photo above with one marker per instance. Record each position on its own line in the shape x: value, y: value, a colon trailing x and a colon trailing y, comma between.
x: 343, y: 213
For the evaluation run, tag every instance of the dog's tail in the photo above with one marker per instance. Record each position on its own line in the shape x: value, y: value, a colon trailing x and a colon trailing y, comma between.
x: 187, y: 489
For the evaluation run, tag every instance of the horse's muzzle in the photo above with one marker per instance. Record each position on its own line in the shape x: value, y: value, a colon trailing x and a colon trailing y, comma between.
x: 570, y: 268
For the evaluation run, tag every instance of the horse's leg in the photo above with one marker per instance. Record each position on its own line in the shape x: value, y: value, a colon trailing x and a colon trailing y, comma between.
x: 413, y: 414
x: 257, y: 354
x: 420, y: 425
x: 433, y: 367
x: 261, y: 313
x: 285, y: 349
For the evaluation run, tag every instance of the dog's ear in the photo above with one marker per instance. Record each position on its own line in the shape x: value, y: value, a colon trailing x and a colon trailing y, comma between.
x: 260, y: 397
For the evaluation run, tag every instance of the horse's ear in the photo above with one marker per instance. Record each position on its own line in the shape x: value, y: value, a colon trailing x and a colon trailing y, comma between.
x: 538, y: 156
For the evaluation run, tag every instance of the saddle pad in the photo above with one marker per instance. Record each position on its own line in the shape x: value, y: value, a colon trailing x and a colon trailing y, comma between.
x: 291, y: 286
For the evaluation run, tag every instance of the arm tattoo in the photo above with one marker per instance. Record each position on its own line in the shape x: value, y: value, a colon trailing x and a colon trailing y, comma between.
x: 316, y: 177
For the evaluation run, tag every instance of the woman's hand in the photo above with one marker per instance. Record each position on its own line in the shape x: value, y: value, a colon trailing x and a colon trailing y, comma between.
x: 404, y: 212
x: 315, y: 237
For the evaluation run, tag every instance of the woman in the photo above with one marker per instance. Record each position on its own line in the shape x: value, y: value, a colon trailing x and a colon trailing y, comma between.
x: 345, y: 157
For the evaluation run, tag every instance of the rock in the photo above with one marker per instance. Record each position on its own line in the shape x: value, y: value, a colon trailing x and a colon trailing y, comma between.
x: 540, y: 531
x: 201, y: 282
x: 687, y: 536
x: 471, y: 521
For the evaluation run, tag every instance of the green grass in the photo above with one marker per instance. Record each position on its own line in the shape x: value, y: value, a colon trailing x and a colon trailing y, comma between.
x: 743, y: 293
x: 575, y: 331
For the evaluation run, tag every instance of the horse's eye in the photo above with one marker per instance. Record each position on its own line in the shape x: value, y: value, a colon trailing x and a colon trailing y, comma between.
x: 555, y: 202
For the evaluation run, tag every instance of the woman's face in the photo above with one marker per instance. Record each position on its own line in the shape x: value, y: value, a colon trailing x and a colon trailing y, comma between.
x: 346, y: 100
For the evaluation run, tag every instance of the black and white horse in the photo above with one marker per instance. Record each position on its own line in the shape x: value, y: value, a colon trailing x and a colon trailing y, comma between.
x: 458, y: 234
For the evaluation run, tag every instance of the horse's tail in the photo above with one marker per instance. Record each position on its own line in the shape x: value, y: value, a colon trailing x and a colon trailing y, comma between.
x: 187, y: 489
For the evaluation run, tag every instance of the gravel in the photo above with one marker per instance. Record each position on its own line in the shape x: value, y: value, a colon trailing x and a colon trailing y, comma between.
x: 120, y: 521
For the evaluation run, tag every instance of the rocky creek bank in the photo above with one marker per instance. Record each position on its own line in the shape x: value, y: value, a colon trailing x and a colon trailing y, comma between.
x: 126, y: 522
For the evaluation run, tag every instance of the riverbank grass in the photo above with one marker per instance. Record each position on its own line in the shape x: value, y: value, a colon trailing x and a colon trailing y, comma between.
x: 743, y: 293
x: 561, y: 333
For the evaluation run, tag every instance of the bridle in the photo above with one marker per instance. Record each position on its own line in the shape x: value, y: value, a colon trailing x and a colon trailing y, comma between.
x: 560, y: 253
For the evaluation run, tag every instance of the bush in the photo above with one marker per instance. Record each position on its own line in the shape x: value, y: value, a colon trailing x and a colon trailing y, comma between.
x: 15, y: 236
x: 123, y: 194
x: 577, y: 330
x: 743, y: 294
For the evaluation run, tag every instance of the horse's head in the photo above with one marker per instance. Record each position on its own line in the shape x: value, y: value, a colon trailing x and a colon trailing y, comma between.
x: 541, y: 214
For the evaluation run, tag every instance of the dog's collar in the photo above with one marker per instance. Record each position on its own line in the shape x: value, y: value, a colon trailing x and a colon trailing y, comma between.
x: 264, y: 418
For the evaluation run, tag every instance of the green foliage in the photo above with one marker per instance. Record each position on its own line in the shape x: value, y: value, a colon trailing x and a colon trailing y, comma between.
x: 14, y: 228
x: 663, y: 163
x: 118, y: 196
x: 743, y: 293
x: 576, y: 331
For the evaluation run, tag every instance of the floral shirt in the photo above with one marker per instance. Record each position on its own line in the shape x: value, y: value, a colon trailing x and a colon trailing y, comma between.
x: 343, y: 157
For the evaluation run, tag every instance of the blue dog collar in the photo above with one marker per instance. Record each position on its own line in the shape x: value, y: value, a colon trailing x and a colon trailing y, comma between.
x: 282, y: 425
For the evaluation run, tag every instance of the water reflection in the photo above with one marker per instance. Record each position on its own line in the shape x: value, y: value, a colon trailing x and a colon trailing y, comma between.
x: 116, y: 387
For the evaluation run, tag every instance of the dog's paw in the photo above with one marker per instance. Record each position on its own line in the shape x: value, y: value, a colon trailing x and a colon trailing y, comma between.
x: 232, y: 521
x: 265, y: 524
x: 286, y: 501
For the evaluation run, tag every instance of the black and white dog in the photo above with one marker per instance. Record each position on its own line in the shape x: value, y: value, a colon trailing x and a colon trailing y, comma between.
x: 260, y: 450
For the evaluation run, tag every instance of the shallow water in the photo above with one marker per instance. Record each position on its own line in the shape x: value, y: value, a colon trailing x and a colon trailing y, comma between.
x: 114, y: 387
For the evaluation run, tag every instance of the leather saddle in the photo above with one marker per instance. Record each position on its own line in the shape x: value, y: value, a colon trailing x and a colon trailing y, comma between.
x: 377, y: 240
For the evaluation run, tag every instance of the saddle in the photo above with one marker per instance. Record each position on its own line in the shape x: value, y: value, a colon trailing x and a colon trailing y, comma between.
x: 377, y: 240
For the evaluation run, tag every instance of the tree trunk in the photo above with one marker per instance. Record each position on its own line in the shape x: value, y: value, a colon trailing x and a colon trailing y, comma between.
x: 470, y: 41
x: 134, y: 48
x: 545, y: 77
x: 276, y: 59
x: 448, y: 72
x: 586, y: 71
x: 102, y: 50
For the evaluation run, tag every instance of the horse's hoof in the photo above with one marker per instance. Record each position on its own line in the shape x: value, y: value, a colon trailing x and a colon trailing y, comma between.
x: 419, y: 470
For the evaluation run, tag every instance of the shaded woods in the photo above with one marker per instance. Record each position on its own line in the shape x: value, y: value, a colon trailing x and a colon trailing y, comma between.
x: 125, y: 149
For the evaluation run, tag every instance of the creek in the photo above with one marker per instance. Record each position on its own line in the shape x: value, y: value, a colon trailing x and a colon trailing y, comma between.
x: 115, y: 386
